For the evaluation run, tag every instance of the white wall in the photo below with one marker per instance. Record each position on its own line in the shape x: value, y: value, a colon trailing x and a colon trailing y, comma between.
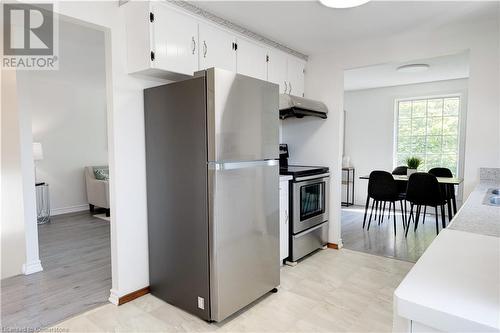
x: 68, y: 115
x: 317, y: 141
x: 12, y: 226
x: 369, y: 131
x: 18, y: 211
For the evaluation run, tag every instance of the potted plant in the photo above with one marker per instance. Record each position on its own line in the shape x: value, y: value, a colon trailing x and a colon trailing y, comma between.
x: 413, y: 163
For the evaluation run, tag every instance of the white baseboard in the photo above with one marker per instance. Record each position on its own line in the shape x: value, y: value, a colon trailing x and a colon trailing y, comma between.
x: 114, y: 298
x: 32, y: 267
x: 70, y: 209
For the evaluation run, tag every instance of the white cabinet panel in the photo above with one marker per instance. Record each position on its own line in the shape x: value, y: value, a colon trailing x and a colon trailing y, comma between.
x: 138, y: 31
x: 175, y: 37
x: 284, y: 220
x: 216, y: 48
x: 168, y: 43
x: 295, y: 71
x: 251, y: 59
x: 276, y: 69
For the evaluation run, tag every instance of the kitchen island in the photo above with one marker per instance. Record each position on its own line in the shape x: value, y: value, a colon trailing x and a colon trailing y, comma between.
x: 455, y: 285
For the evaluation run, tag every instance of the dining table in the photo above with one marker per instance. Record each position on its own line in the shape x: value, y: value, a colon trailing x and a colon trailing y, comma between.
x: 441, y: 180
x: 447, y: 181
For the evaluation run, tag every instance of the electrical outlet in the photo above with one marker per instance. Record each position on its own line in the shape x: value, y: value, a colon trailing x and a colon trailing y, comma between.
x: 201, y: 303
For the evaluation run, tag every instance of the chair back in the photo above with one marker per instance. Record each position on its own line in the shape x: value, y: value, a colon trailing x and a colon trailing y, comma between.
x: 441, y: 172
x: 382, y: 186
x: 400, y: 170
x: 424, y: 189
x: 444, y: 173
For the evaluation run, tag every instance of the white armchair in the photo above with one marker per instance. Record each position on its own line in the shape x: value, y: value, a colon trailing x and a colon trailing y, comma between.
x: 97, y: 191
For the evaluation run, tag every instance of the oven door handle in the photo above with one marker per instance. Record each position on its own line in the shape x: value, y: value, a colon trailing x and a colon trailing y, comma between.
x: 323, y: 175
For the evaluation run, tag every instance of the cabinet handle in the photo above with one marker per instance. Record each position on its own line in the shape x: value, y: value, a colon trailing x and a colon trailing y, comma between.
x: 193, y: 43
x: 290, y: 85
x: 286, y: 217
x: 205, y: 49
x: 286, y: 87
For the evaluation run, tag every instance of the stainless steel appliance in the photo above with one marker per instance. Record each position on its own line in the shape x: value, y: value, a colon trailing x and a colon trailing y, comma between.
x: 309, y: 198
x: 299, y: 107
x: 212, y: 191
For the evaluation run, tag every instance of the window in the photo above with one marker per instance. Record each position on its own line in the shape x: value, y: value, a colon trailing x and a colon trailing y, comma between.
x: 429, y: 129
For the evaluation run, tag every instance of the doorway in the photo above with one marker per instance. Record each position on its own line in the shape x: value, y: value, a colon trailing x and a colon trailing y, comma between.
x: 395, y: 111
x: 68, y: 110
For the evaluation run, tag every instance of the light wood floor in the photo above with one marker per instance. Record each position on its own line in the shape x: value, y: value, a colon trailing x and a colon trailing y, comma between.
x: 330, y: 291
x: 76, y: 257
x: 380, y: 239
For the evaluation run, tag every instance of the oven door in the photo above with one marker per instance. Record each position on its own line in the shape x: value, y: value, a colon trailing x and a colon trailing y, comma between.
x: 310, y: 201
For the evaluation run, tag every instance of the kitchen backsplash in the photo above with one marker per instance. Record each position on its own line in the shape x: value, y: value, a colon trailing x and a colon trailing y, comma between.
x: 489, y: 174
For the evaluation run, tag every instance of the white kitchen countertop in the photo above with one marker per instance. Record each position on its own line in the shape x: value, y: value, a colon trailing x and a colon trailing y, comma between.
x: 455, y: 285
x: 476, y: 217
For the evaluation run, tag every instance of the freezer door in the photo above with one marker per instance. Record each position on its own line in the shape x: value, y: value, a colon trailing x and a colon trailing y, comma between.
x: 242, y: 117
x: 244, y: 234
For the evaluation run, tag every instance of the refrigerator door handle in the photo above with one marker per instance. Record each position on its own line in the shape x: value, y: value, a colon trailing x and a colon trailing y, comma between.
x: 240, y: 165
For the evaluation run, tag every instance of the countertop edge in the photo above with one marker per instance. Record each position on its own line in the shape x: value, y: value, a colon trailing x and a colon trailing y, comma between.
x: 408, y: 305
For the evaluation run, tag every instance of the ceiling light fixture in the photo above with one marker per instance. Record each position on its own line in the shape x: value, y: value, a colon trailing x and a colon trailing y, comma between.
x: 343, y: 3
x: 413, y: 68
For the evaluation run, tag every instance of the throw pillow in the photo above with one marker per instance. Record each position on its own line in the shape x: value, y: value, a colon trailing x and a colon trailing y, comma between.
x: 101, y: 173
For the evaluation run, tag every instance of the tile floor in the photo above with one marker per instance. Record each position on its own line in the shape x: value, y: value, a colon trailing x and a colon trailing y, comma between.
x: 330, y: 291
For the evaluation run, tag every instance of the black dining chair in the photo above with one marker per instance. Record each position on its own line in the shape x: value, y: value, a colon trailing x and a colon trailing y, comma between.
x: 382, y: 188
x: 402, y: 170
x: 447, y: 189
x: 424, y: 190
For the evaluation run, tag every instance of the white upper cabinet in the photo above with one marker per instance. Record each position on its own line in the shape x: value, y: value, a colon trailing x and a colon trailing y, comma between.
x: 295, y: 73
x: 161, y: 41
x: 175, y: 38
x: 277, y: 69
x: 216, y: 48
x: 287, y: 71
x: 166, y: 42
x: 251, y: 59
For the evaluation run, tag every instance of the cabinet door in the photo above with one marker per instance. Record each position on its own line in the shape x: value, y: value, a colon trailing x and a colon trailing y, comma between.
x: 251, y: 59
x: 276, y: 69
x: 284, y: 227
x: 175, y: 37
x: 295, y: 70
x: 216, y: 48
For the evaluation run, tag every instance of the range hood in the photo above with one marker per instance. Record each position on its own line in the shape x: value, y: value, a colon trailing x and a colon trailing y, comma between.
x: 299, y: 107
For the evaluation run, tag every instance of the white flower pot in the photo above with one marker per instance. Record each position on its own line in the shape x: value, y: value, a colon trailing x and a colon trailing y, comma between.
x: 410, y: 172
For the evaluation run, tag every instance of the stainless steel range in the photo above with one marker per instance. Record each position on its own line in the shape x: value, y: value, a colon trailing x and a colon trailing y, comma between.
x: 309, y: 197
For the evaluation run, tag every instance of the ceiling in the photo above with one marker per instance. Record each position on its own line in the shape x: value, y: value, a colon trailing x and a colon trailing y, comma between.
x: 385, y: 75
x: 309, y: 27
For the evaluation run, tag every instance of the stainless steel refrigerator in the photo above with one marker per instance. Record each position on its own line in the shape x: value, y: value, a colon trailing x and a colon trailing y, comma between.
x: 212, y: 191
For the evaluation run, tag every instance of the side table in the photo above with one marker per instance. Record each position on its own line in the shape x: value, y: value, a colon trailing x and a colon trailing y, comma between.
x: 42, y: 203
x: 348, y: 180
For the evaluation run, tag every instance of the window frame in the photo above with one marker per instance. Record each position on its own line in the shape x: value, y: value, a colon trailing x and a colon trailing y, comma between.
x: 461, y: 126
